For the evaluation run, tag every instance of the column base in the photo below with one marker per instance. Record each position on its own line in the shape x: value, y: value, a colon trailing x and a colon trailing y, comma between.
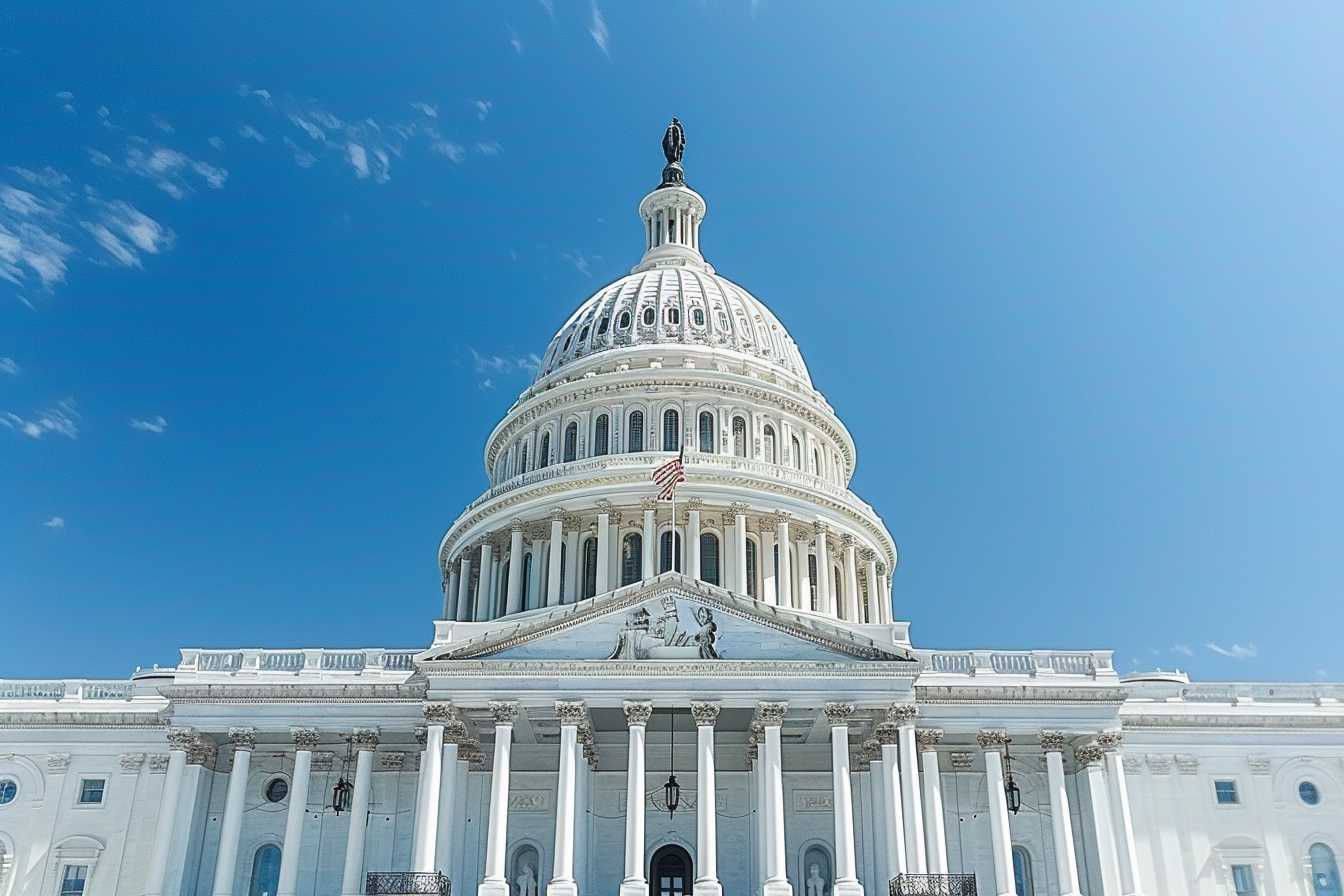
x: 847, y: 888
x: 489, y: 887
x: 564, y: 888
x: 636, y: 887
x: 707, y: 888
x: 780, y: 887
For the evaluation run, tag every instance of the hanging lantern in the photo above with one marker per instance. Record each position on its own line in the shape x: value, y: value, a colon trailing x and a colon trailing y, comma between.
x: 341, y: 795
x: 1012, y: 794
x: 671, y: 790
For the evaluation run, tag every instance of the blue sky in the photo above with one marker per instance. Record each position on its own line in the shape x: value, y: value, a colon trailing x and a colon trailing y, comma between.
x: 1072, y: 275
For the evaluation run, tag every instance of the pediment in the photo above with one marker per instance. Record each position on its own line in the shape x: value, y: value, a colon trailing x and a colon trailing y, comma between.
x: 671, y: 618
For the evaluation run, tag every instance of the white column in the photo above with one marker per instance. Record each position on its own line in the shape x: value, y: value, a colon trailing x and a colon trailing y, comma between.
x: 226, y: 859
x: 650, y: 540
x: 179, y: 741
x: 783, y: 584
x: 873, y: 750
x: 496, y: 842
x: 769, y: 590
x: 992, y: 741
x: 352, y: 877
x: 883, y: 598
x: 483, y: 583
x: 304, y: 741
x: 756, y: 757
x: 846, y: 861
x: 514, y: 600
x: 572, y: 563
x: 450, y: 593
x: 553, y: 571
x: 740, y: 548
x: 1090, y: 757
x: 426, y: 841
x: 1066, y: 861
x: 824, y: 605
x: 870, y: 576
x: 637, y: 718
x: 851, y: 603
x: 893, y: 819
x: 771, y: 716
x: 1122, y: 821
x: 453, y: 734
x: 903, y: 715
x: 603, y: 552
x: 706, y: 802
x: 464, y: 590
x: 935, y: 834
x: 693, y: 541
x: 798, y: 567
x: 571, y: 714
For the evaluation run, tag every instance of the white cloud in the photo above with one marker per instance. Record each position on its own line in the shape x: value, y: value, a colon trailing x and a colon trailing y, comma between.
x: 56, y: 522
x: 61, y: 420
x: 247, y: 132
x: 47, y: 177
x: 65, y: 96
x: 549, y: 6
x: 161, y: 123
x: 429, y: 111
x: 308, y: 127
x: 260, y: 94
x: 495, y: 363
x: 217, y: 143
x: 582, y: 263
x: 454, y: 152
x: 359, y: 159
x: 487, y: 383
x: 515, y: 41
x: 488, y: 148
x: 30, y: 243
x: 166, y: 168
x: 302, y: 157
x: 101, y: 159
x: 1235, y: 651
x: 155, y: 424
x: 9, y: 366
x: 597, y: 27
x: 123, y: 231
x: 483, y: 108
x: 1182, y: 649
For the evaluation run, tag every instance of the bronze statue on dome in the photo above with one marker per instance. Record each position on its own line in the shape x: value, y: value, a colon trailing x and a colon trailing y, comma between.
x: 674, y: 144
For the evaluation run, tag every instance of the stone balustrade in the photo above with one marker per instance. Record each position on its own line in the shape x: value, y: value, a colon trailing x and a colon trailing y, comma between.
x: 1030, y: 663
x: 66, y: 689
x: 260, y: 661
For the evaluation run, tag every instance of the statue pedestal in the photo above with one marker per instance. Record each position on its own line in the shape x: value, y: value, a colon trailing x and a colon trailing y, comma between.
x: 673, y: 175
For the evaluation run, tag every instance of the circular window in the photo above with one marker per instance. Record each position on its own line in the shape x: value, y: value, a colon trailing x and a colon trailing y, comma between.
x: 1309, y: 793
x: 277, y: 790
x: 9, y: 788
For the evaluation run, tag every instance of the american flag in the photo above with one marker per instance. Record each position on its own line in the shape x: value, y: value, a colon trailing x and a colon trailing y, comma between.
x: 668, y: 475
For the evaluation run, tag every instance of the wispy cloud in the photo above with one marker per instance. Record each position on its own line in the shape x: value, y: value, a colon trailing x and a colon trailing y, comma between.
x: 98, y: 157
x: 582, y: 263
x: 155, y: 424
x: 124, y: 232
x: 1235, y: 651
x: 454, y: 152
x: 33, y: 246
x: 248, y: 132
x: 56, y: 522
x: 302, y: 157
x: 597, y: 27
x: 487, y: 383
x: 483, y: 108
x: 168, y: 168
x: 549, y: 6
x: 9, y: 366
x: 496, y: 363
x: 61, y: 420
x: 515, y: 41
x: 488, y: 147
x: 1182, y: 649
x: 161, y: 123
x: 217, y: 143
x: 426, y: 109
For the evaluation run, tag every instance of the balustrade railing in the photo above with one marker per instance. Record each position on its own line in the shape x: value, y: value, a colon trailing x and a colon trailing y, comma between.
x: 933, y: 885
x: 1016, y: 662
x: 296, y: 662
x: 407, y: 883
x: 64, y: 688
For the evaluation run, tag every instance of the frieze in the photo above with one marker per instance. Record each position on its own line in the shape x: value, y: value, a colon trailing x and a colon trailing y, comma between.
x: 813, y: 801
x: 243, y: 738
x: 323, y: 761
x: 1133, y: 765
x: 1223, y: 721
x: 409, y: 692
x: 530, y: 801
x: 1025, y: 694
x: 1259, y: 764
x: 962, y: 760
x: 1187, y: 765
x: 157, y: 763
x: 131, y: 762
x: 391, y: 762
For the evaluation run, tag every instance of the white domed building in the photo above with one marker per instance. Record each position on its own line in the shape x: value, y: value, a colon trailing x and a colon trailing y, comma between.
x: 690, y: 697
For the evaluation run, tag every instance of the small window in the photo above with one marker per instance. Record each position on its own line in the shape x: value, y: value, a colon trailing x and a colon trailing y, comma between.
x: 601, y: 437
x: 706, y: 432
x: 671, y: 430
x: 544, y: 453
x: 635, y: 432
x: 751, y: 569
x: 571, y: 442
x: 603, y: 324
x: 91, y: 791
x: 722, y: 319
x: 632, y: 558
x: 697, y: 317
x: 709, y: 558
x: 649, y: 316
x: 673, y: 316
x: 769, y: 444
x: 277, y: 790
x: 740, y: 436
x: 1243, y: 880
x: 1225, y: 792
x: 1309, y: 793
x: 73, y: 880
x: 1023, y: 883
x: 623, y: 322
x: 9, y: 789
x: 583, y: 334
x: 568, y: 340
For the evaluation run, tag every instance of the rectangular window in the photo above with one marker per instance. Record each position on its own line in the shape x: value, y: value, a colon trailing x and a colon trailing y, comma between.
x: 1243, y: 880
x: 91, y: 791
x: 73, y: 880
x: 1225, y: 792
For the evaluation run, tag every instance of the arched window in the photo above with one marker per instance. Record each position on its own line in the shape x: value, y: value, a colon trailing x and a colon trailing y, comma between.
x: 740, y: 436
x: 816, y: 462
x: 589, y: 585
x: 563, y: 560
x: 1022, y: 878
x: 522, y: 457
x: 698, y: 317
x: 667, y: 558
x: 836, y: 594
x: 632, y: 558
x: 751, y: 569
x: 1324, y: 870
x: 527, y: 578
x: 583, y: 334
x: 673, y: 315
x: 709, y: 558
x: 623, y: 322
x: 649, y: 316
x: 265, y: 871
x: 571, y: 442
x: 769, y: 444
x: 812, y: 580
x: 635, y: 432
x: 544, y: 452
x: 706, y: 432
x: 797, y: 453
x: 601, y: 429
x: 671, y: 430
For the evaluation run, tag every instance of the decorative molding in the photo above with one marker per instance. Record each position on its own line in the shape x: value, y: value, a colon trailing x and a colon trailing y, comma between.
x: 928, y: 738
x: 1053, y: 741
x: 304, y: 738
x: 637, y: 712
x: 1187, y: 764
x: 771, y: 713
x: 1088, y: 754
x: 440, y: 713
x: 243, y: 738
x: 323, y: 761
x: 364, y: 739
x: 131, y: 762
x: 181, y: 738
x: 1260, y: 765
x: 1158, y: 764
x: 1109, y: 740
x: 454, y: 732
x: 887, y: 734
x: 838, y: 713
x: 530, y: 801
x: 503, y: 712
x: 992, y: 739
x: 903, y: 713
x: 813, y: 801
x: 158, y: 763
x: 704, y: 713
x: 421, y: 735
x: 872, y: 750
x: 202, y: 752
x: 1132, y: 764
x: 391, y: 762
x: 570, y: 712
x: 962, y: 761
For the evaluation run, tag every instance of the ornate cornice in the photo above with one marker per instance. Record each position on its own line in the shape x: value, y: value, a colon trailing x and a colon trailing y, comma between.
x: 408, y: 692
x: 872, y: 750
x: 1031, y: 694
x: 58, y: 763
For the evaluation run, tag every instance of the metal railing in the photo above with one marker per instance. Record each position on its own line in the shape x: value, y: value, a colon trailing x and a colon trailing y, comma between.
x: 407, y: 883
x: 933, y: 885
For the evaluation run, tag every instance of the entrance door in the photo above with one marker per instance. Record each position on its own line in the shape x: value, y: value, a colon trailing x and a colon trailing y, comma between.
x: 670, y: 872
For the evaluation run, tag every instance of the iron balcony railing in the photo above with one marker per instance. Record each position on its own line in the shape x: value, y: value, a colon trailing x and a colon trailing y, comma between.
x: 407, y: 883
x: 933, y: 885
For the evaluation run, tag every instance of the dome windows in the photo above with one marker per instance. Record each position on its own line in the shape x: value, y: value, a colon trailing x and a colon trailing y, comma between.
x: 1309, y: 793
x: 650, y: 316
x: 601, y: 435
x: 671, y: 430
x: 544, y: 452
x: 603, y: 324
x: 277, y: 790
x: 623, y: 322
x: 770, y: 450
x: 571, y: 443
x: 673, y: 316
x: 583, y: 335
x: 706, y: 432
x: 698, y: 317
x: 740, y: 436
x: 635, y: 432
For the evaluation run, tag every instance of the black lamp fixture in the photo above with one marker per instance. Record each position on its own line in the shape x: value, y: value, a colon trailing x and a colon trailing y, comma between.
x: 1012, y: 794
x: 344, y: 791
x: 671, y: 790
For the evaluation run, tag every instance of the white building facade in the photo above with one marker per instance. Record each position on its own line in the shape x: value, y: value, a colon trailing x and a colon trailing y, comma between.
x: 626, y: 696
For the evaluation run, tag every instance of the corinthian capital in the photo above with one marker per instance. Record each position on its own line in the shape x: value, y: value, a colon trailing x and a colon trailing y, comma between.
x: 243, y: 738
x: 364, y: 739
x: 704, y: 713
x: 838, y: 713
x: 1109, y: 741
x: 902, y: 713
x: 304, y: 738
x: 638, y: 712
x: 1053, y: 741
x: 439, y: 713
x: 928, y: 738
x: 181, y: 738
x: 570, y: 712
x: 1088, y: 754
x: 771, y: 714
x: 992, y: 739
x: 504, y: 712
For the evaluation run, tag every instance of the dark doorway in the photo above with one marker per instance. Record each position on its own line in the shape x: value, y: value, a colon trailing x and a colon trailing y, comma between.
x: 670, y: 872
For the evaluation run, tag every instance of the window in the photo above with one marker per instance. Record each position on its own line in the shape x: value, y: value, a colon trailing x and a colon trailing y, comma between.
x: 589, y: 585
x: 673, y: 316
x: 544, y: 452
x: 600, y: 435
x: 816, y: 462
x: 722, y: 319
x: 632, y: 558
x: 623, y: 322
x: 91, y: 791
x: 698, y: 317
x: 740, y: 436
x: 709, y: 558
x: 1022, y: 881
x: 73, y: 880
x: 277, y: 790
x: 9, y: 789
x: 603, y: 324
x: 1324, y: 870
x: 706, y: 432
x: 769, y: 444
x: 635, y: 432
x: 671, y: 430
x: 751, y: 568
x: 666, y: 556
x: 583, y: 334
x: 265, y: 871
x: 527, y: 577
x: 797, y: 454
x: 649, y: 315
x: 563, y: 564
x: 571, y: 442
x: 812, y: 579
x: 522, y: 457
x: 1225, y: 792
x: 1243, y: 880
x: 568, y: 340
x: 1309, y: 793
x: 836, y: 594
